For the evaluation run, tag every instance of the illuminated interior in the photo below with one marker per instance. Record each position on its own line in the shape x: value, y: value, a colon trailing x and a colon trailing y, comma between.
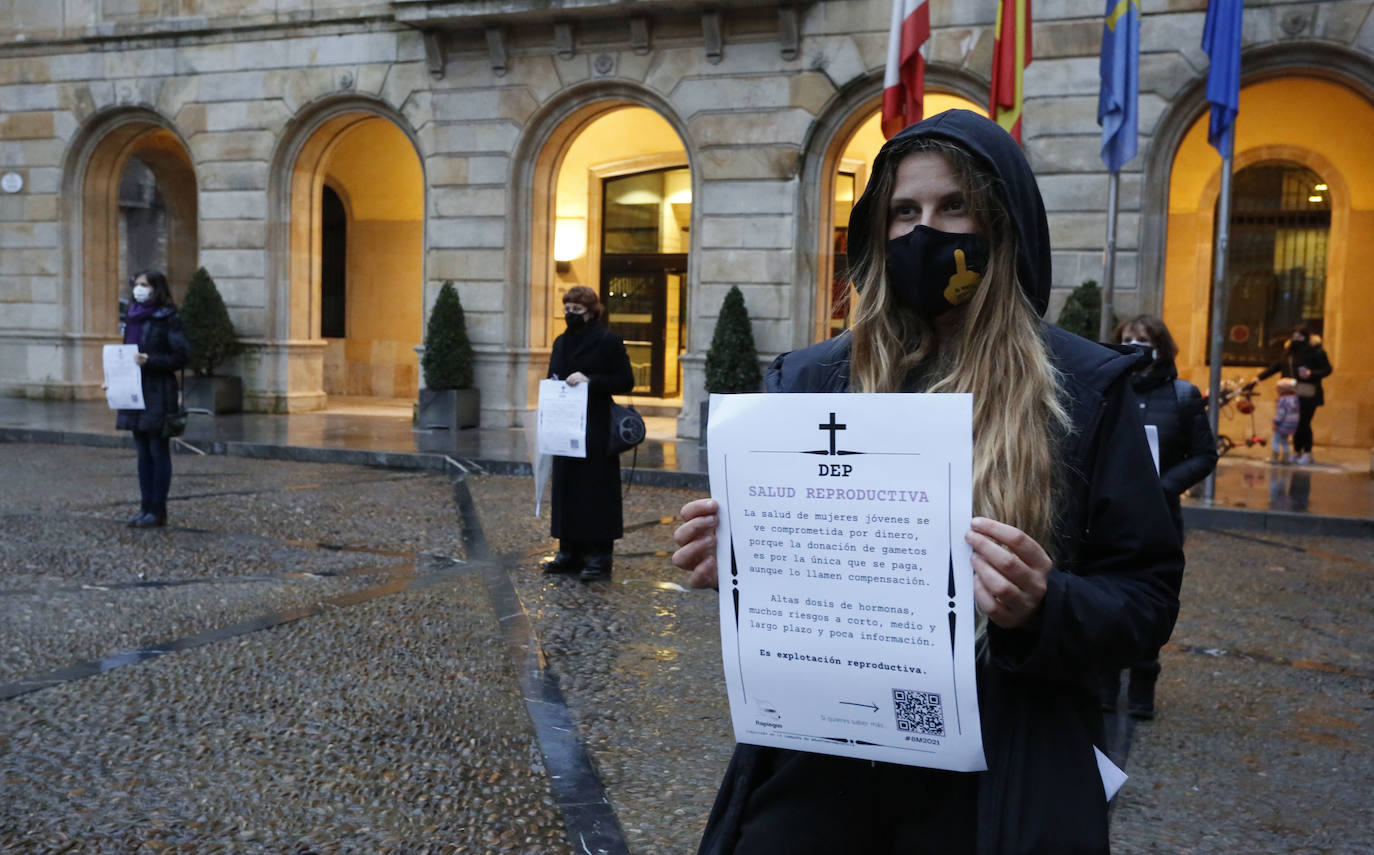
x: 1326, y: 142
x: 622, y: 227
x: 368, y: 271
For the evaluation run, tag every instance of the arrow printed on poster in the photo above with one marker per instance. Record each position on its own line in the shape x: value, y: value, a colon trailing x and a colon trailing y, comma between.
x: 870, y: 706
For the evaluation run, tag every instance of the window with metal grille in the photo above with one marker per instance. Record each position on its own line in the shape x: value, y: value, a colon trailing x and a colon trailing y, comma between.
x: 1275, y: 260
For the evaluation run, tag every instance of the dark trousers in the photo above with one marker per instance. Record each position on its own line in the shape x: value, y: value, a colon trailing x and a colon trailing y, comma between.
x: 154, y: 470
x: 585, y: 547
x: 1302, y: 437
x: 815, y: 804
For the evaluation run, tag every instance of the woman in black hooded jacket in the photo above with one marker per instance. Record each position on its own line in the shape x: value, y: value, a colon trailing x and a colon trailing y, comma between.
x: 1076, y: 563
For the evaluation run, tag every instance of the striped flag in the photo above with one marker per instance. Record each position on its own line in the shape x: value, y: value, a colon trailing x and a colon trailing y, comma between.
x: 1118, y: 102
x: 1221, y: 40
x: 1011, y: 53
x: 904, y: 81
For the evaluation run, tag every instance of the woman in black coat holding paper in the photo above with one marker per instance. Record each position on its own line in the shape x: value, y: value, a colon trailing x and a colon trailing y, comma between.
x: 587, y: 514
x: 154, y: 325
x: 1076, y: 564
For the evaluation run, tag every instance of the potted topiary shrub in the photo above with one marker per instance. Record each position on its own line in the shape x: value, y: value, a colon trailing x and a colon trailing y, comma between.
x: 732, y: 363
x: 213, y: 342
x: 448, y: 399
x: 1083, y: 310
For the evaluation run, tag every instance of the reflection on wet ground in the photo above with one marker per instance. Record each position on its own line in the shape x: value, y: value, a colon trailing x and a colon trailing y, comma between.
x: 1338, y: 486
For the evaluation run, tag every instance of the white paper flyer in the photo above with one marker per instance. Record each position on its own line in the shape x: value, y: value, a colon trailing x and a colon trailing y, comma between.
x: 123, y: 377
x: 846, y: 589
x: 562, y: 419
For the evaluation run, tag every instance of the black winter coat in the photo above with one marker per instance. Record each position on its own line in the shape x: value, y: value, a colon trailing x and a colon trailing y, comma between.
x: 1187, y: 448
x: 1111, y: 602
x: 586, y: 491
x: 1310, y: 356
x: 168, y: 351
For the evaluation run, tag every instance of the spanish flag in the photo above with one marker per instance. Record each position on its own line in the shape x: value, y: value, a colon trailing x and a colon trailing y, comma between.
x: 1011, y: 53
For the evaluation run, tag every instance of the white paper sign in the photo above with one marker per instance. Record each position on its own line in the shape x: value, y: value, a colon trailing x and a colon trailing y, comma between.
x: 1152, y: 437
x: 123, y: 377
x: 846, y: 589
x: 562, y: 419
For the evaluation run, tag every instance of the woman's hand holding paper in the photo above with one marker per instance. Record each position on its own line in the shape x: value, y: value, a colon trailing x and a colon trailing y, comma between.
x: 1009, y: 572
x: 696, y: 539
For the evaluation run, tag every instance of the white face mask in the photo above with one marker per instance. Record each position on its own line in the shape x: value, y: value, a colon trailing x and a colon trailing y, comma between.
x: 142, y: 293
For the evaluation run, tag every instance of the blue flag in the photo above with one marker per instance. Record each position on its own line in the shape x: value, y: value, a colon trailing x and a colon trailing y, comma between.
x: 1221, y: 40
x: 1118, y: 109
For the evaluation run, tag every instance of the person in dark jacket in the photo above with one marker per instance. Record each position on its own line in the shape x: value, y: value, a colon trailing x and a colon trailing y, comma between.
x: 1187, y: 447
x: 1305, y: 361
x: 1187, y: 454
x: 154, y: 325
x: 1076, y: 561
x: 587, y: 514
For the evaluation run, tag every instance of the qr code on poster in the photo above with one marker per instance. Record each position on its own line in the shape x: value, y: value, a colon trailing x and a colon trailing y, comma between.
x: 919, y: 712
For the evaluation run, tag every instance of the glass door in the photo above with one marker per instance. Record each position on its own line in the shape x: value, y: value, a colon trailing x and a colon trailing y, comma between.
x: 645, y: 221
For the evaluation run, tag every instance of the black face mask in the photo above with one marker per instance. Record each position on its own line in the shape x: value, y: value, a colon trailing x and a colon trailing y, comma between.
x: 1151, y: 353
x: 931, y: 271
x: 575, y: 321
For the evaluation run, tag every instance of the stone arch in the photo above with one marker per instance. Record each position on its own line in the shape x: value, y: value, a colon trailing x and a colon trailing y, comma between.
x: 822, y: 149
x: 1353, y: 70
x: 91, y: 174
x: 1329, y: 138
x: 535, y: 165
x: 311, y: 138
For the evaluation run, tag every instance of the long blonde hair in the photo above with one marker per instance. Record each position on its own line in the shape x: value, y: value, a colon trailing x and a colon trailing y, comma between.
x: 998, y: 354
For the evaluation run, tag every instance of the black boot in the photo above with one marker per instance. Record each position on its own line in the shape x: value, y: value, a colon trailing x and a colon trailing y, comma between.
x: 563, y: 563
x: 596, y: 567
x: 148, y: 520
x: 1140, y: 695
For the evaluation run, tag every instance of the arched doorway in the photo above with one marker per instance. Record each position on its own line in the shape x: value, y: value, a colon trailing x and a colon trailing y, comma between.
x: 620, y: 224
x: 1276, y: 259
x: 846, y: 174
x: 357, y: 254
x: 1323, y: 143
x: 137, y: 209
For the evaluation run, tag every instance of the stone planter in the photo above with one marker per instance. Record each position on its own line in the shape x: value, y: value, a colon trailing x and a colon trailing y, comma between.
x: 450, y: 409
x: 213, y: 394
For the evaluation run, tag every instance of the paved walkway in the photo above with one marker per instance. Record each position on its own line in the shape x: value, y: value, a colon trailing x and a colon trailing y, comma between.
x: 1333, y: 496
x: 334, y: 658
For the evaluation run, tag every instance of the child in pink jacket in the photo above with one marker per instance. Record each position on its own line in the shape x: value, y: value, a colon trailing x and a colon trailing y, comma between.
x: 1285, y: 420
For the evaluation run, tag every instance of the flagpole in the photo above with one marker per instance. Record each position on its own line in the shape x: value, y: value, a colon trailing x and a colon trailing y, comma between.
x: 1219, y: 302
x: 1109, y: 260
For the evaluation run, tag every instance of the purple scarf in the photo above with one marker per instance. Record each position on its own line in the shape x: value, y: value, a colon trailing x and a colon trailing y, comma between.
x: 139, y: 313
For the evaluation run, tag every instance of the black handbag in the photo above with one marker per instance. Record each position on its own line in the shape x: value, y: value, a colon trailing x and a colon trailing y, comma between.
x: 174, y: 424
x: 627, y: 429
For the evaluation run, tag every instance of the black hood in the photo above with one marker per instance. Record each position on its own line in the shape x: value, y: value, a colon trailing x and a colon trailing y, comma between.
x: 995, y: 149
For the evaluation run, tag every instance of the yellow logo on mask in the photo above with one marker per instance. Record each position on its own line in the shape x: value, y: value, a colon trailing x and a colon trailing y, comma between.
x: 963, y: 282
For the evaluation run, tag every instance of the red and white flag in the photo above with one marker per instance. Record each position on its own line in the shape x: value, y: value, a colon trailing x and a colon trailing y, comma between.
x: 904, y: 81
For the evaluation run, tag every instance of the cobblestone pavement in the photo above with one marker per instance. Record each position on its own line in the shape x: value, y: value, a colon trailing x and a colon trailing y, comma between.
x: 343, y: 681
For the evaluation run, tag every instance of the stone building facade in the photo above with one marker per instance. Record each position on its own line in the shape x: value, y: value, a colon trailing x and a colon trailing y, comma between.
x: 333, y: 162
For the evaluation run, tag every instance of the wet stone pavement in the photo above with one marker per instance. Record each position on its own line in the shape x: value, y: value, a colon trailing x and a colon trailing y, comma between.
x: 327, y: 658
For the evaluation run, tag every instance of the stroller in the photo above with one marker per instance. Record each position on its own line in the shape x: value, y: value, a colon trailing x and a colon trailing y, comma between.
x: 1241, y: 395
